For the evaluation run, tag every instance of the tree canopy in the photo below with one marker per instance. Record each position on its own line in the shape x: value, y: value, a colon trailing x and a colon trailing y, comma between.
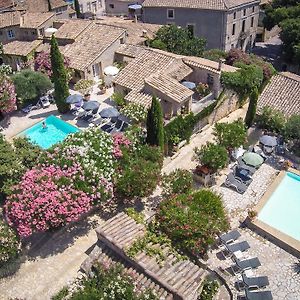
x: 30, y: 85
x: 178, y: 40
x: 286, y: 14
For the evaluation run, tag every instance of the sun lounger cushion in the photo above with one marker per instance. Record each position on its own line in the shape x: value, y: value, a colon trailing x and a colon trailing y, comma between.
x: 242, y: 246
x: 250, y: 263
x: 260, y: 295
x: 230, y: 236
x: 255, y: 282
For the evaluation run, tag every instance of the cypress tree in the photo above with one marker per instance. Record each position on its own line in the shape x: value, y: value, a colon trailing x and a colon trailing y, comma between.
x: 155, y: 129
x: 251, y: 108
x: 77, y: 9
x: 59, y: 77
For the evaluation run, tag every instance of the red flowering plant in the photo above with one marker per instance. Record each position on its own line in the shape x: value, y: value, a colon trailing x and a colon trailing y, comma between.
x: 192, y: 221
x: 42, y: 63
x: 7, y: 95
x: 50, y: 196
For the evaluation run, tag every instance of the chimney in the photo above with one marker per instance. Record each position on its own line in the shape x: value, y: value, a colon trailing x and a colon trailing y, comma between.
x: 221, y: 62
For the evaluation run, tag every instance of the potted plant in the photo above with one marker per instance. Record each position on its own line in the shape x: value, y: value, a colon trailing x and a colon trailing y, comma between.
x: 102, y: 87
x: 175, y: 140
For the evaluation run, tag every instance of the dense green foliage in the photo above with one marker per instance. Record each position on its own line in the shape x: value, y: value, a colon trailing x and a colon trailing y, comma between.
x: 192, y: 221
x: 211, y: 155
x: 244, y: 80
x: 83, y: 85
x: 178, y: 40
x: 110, y: 283
x: 30, y: 85
x: 139, y: 172
x: 286, y: 14
x: 251, y: 112
x: 214, y: 54
x: 292, y: 127
x: 177, y: 182
x: 230, y: 135
x: 118, y: 99
x: 9, y: 244
x: 155, y: 129
x: 271, y: 119
x: 59, y: 77
x: 210, y: 288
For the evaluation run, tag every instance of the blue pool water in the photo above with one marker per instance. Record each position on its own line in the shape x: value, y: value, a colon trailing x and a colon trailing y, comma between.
x: 282, y: 210
x: 56, y: 131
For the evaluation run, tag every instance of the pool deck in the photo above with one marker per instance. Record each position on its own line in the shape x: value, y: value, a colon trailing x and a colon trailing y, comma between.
x: 18, y: 121
x: 279, y: 238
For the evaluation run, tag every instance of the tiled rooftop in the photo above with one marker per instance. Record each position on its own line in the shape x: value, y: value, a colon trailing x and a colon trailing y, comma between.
x: 139, y: 97
x: 21, y: 48
x: 198, y: 4
x: 134, y: 30
x: 130, y: 50
x: 282, y: 93
x: 90, y: 44
x: 71, y: 29
x: 9, y: 19
x: 169, y: 87
x: 6, y: 4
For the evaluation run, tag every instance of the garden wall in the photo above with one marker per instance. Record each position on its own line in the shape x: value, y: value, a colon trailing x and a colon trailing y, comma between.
x: 228, y: 104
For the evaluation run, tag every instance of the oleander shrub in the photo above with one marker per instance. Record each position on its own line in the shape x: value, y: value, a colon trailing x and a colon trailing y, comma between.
x: 176, y: 183
x: 135, y: 112
x: 112, y: 282
x: 10, y: 245
x: 192, y: 221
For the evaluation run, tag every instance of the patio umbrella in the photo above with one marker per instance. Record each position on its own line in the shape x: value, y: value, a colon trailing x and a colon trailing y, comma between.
x: 135, y: 6
x: 90, y: 105
x: 268, y: 140
x: 252, y: 159
x: 111, y: 71
x: 109, y: 112
x: 72, y: 99
x: 190, y: 85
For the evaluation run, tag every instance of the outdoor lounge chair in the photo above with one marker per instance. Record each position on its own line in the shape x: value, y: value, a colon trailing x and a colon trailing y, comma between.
x: 230, y: 249
x: 124, y: 126
x: 242, y: 174
x: 27, y: 109
x: 232, y: 181
x: 258, y: 295
x: 245, y: 264
x: 255, y: 282
x: 268, y: 150
x: 229, y: 237
x: 44, y: 101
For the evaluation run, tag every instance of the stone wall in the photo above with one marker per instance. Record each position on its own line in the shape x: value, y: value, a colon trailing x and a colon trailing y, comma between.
x: 228, y: 104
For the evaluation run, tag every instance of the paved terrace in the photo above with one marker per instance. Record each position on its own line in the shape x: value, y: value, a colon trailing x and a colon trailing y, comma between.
x: 20, y: 121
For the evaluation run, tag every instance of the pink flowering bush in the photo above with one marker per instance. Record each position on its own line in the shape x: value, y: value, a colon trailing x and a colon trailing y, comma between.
x: 50, y: 196
x: 43, y: 64
x: 7, y: 95
x: 119, y: 139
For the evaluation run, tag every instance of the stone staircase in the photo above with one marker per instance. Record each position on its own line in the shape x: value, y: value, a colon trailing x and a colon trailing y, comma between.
x: 171, y: 278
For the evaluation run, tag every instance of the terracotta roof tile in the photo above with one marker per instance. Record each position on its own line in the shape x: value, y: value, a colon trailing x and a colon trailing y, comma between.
x: 34, y: 20
x: 130, y: 50
x: 72, y: 28
x: 20, y: 48
x: 57, y: 3
x: 197, y: 4
x: 138, y: 97
x: 90, y: 44
x: 6, y: 4
x: 169, y: 87
x: 9, y: 19
x: 282, y: 93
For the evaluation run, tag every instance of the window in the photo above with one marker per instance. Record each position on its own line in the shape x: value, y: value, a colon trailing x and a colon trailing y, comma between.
x: 100, y: 3
x: 10, y: 34
x: 234, y: 15
x: 243, y: 25
x: 170, y: 14
x: 41, y: 31
x: 122, y: 40
x: 233, y: 29
x: 210, y: 79
x: 1, y: 33
x: 94, y: 6
x: 244, y: 12
x: 232, y: 46
x: 191, y: 29
x: 252, y: 21
x: 253, y: 9
x: 81, y: 8
x: 32, y: 32
x: 111, y: 5
x: 89, y: 6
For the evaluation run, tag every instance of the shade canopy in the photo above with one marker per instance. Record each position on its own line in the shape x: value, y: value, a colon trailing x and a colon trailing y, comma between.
x: 50, y: 30
x: 190, y: 85
x: 110, y: 112
x: 268, y: 140
x: 252, y: 159
x: 135, y: 6
x: 72, y: 99
x: 111, y: 70
x: 90, y: 105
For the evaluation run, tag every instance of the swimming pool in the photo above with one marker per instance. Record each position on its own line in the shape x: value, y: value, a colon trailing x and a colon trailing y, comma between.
x: 282, y: 209
x: 56, y: 131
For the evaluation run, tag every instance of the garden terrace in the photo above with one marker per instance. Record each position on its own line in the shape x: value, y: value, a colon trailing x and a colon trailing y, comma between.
x: 181, y: 278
